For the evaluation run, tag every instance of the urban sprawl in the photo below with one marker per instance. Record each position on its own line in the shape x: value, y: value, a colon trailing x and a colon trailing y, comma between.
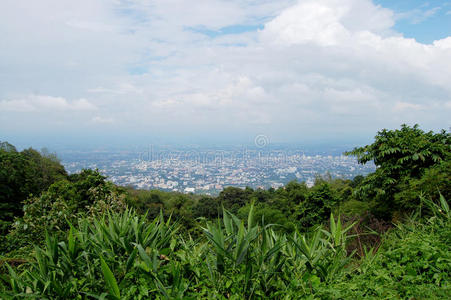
x: 208, y: 172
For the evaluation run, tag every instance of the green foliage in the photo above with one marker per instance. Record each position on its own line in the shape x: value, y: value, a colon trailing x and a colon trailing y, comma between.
x: 23, y: 174
x: 355, y: 208
x: 318, y: 205
x: 414, y: 262
x: 434, y: 180
x: 85, y: 194
x: 284, y: 206
x: 399, y: 155
x: 207, y: 207
x: 47, y: 167
x: 7, y: 147
x: 407, y: 151
x: 181, y: 207
x: 98, y: 259
x: 265, y: 213
x: 111, y: 282
x: 150, y: 202
x: 125, y: 256
x: 295, y: 191
x: 16, y: 183
x: 77, y: 240
x: 233, y: 198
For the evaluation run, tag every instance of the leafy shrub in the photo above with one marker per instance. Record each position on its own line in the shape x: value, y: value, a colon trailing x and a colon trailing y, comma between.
x: 434, y: 180
x: 86, y: 194
x: 414, y: 262
x: 317, y: 206
x: 355, y: 208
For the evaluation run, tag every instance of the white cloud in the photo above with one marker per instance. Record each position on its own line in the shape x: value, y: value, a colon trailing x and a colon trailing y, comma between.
x: 16, y: 105
x: 443, y: 43
x: 122, y: 88
x: 418, y: 15
x: 327, y: 22
x: 315, y: 66
x: 402, y: 106
x: 102, y: 120
x: 36, y: 103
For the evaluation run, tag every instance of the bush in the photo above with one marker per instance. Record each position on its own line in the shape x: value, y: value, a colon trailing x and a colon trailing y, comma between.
x: 23, y: 174
x: 436, y: 179
x: 413, y: 262
x: 86, y: 194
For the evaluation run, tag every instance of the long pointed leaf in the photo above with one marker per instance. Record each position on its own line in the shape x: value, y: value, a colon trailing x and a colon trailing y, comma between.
x: 111, y: 282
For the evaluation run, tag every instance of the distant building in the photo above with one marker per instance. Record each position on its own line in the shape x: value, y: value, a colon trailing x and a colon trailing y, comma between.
x: 190, y: 190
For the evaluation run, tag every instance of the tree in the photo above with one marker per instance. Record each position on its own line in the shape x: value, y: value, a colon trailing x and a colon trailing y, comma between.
x: 399, y: 155
x: 318, y: 205
x: 435, y: 181
x: 48, y: 168
x: 84, y: 194
x: 295, y: 191
x: 17, y: 182
x: 207, y: 207
x: 233, y: 198
x: 7, y: 147
x: 23, y: 174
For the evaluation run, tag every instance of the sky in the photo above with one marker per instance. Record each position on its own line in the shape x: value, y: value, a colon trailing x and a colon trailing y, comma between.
x: 124, y: 72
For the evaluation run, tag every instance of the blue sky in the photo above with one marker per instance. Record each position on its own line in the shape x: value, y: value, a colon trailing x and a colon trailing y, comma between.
x: 215, y: 71
x: 424, y: 21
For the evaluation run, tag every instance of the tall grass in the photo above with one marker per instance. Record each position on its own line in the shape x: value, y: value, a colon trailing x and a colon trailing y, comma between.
x: 124, y: 256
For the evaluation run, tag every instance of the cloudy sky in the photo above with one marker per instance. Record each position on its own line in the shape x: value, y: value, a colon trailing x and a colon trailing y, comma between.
x: 206, y: 71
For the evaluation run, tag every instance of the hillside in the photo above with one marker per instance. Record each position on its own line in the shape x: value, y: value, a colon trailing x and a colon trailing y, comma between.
x: 384, y: 235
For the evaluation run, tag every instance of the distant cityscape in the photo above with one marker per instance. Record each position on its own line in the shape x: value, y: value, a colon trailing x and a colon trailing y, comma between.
x: 208, y: 171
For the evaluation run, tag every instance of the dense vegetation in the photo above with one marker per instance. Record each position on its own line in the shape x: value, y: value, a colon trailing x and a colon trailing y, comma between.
x: 386, y: 235
x: 23, y: 174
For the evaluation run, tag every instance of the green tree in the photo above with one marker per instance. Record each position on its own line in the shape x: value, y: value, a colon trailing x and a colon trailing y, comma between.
x: 233, y: 198
x: 399, y: 155
x: 318, y: 205
x: 48, y: 168
x: 207, y: 207
x: 23, y: 174
x: 435, y: 181
x: 15, y: 185
x: 296, y: 192
x: 85, y: 194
